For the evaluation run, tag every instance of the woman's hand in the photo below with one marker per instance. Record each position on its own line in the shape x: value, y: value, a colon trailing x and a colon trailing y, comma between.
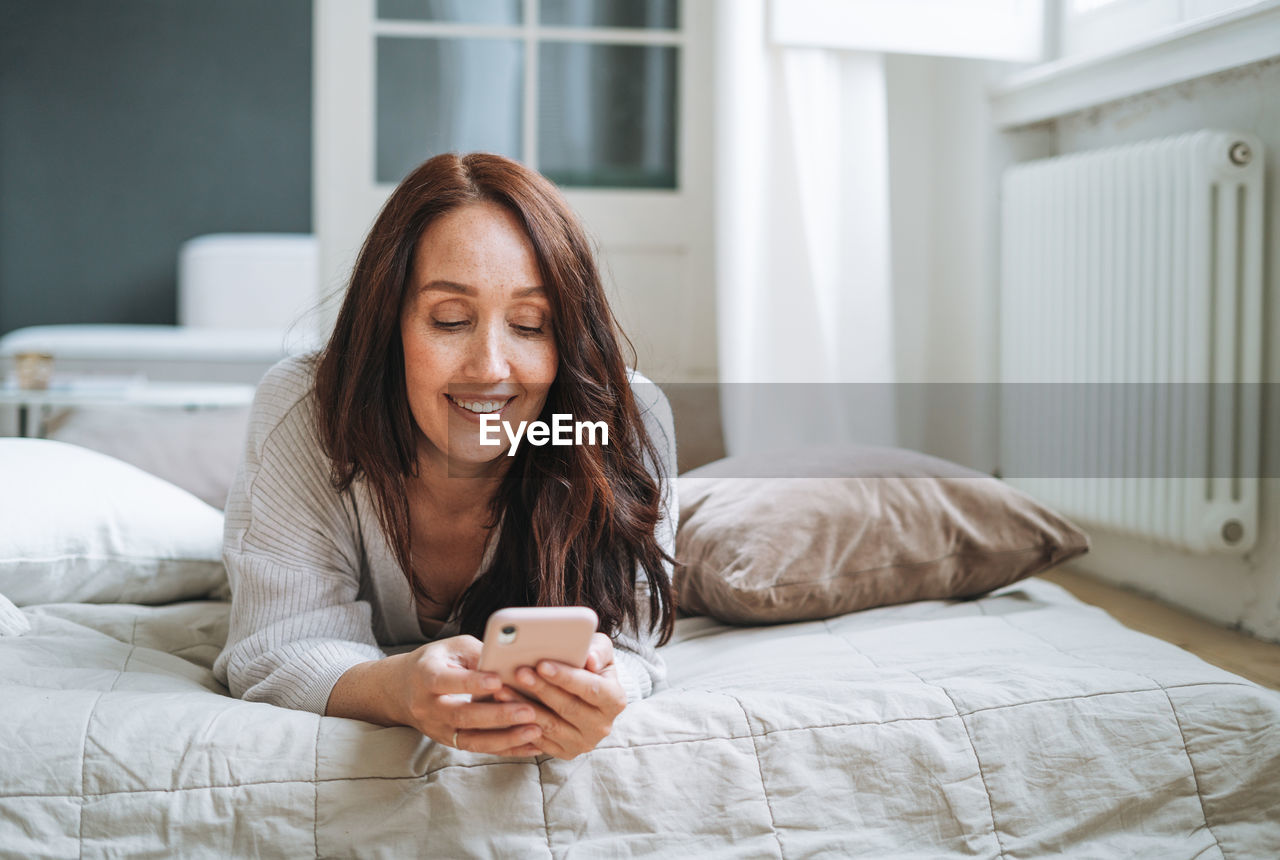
x: 439, y: 675
x: 578, y: 705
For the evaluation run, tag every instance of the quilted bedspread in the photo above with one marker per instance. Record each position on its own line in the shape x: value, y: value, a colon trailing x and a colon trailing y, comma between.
x: 1023, y: 724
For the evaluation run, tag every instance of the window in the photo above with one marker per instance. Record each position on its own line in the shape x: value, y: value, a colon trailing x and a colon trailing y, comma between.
x: 993, y: 29
x: 612, y: 99
x: 1098, y: 26
x: 586, y: 91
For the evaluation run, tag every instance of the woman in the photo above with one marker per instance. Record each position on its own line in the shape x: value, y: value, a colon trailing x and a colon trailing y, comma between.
x: 367, y: 512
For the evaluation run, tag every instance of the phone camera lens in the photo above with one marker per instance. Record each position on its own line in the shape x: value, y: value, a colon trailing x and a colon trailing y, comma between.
x: 509, y: 630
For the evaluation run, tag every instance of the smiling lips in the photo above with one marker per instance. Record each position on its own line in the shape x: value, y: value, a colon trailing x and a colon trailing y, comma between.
x: 478, y: 407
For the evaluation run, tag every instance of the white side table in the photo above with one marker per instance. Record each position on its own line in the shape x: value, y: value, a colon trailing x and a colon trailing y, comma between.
x: 69, y: 395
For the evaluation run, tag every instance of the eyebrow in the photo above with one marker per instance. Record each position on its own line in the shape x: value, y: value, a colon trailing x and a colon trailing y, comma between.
x: 464, y: 289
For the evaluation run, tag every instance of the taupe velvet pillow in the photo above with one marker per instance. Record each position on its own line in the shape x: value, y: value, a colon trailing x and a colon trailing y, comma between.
x: 791, y: 537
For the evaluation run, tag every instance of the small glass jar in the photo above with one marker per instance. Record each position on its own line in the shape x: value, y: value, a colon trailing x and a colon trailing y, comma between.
x: 33, y: 370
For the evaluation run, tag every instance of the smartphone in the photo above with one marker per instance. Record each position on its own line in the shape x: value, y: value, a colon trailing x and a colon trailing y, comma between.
x: 521, y: 636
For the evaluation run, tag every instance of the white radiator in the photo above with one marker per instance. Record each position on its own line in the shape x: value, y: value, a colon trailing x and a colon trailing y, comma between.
x: 1131, y: 337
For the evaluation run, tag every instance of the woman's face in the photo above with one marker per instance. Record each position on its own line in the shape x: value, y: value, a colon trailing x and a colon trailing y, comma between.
x: 477, y: 333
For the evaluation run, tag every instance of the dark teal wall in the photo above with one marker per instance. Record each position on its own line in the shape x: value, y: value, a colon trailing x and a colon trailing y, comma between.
x: 129, y: 126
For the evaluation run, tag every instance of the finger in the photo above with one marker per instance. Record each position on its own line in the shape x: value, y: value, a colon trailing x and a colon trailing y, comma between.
x: 566, y: 705
x: 602, y: 648
x: 597, y: 691
x: 465, y: 650
x: 510, y: 694
x: 494, y: 741
x: 485, y: 715
x: 521, y: 751
x: 452, y: 680
x: 553, y: 726
x: 550, y: 747
x: 597, y: 664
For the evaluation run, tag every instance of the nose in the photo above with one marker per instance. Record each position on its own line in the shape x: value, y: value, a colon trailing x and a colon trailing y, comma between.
x: 487, y: 357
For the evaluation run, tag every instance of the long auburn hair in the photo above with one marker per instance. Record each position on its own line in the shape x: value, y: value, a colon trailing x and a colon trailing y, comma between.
x: 577, y: 521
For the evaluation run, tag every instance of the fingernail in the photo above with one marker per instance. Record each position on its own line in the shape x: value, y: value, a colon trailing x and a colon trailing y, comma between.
x: 547, y: 669
x: 492, y: 683
x: 528, y: 677
x: 524, y: 715
x: 530, y: 734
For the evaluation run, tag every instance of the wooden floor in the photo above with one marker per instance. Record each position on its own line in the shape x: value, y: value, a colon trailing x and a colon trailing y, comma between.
x: 1236, y: 652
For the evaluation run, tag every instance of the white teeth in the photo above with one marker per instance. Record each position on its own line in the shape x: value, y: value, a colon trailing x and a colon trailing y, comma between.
x: 480, y: 406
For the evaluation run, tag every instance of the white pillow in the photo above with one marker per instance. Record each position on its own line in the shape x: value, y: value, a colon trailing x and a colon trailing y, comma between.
x: 198, y: 451
x: 12, y: 621
x: 77, y: 526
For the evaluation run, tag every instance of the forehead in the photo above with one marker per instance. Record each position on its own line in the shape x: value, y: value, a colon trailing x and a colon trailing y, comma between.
x: 483, y: 241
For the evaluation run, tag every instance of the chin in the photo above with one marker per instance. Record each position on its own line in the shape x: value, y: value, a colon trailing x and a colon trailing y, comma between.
x: 472, y: 456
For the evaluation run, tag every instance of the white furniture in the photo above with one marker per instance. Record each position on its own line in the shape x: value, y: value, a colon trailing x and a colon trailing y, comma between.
x: 140, y: 392
x: 258, y: 281
x: 156, y: 352
x: 243, y: 304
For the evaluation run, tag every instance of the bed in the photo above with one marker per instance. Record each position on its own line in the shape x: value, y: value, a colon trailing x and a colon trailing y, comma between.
x: 1022, y: 724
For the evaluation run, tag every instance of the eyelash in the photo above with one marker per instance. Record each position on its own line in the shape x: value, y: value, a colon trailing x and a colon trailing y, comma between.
x: 527, y: 331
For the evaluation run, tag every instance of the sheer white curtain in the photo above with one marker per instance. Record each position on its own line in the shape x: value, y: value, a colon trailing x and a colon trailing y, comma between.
x: 802, y: 214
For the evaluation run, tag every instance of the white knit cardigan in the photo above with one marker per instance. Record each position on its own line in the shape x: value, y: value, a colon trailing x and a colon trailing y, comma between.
x: 315, y: 587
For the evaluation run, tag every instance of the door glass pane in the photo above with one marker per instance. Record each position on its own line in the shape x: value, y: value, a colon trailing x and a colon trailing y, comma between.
x: 646, y: 14
x: 443, y: 95
x: 607, y: 115
x: 455, y: 11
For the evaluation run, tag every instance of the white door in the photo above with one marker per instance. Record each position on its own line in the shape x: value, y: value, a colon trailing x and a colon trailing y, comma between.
x: 611, y: 99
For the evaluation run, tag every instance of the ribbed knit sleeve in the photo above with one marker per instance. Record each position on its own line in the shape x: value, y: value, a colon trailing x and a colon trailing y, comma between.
x: 293, y: 558
x: 640, y: 667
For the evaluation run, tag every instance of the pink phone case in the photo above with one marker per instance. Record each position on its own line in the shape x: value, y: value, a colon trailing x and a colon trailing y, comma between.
x: 521, y: 636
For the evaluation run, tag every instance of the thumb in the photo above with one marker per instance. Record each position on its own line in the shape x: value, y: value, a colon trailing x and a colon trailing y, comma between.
x: 464, y: 651
x: 600, y: 654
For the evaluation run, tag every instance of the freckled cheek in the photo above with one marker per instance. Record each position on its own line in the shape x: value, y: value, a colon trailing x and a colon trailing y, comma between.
x: 538, y: 363
x: 535, y: 358
x: 434, y: 357
x: 428, y: 369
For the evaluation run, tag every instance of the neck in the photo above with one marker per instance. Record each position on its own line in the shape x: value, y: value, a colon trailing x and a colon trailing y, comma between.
x: 454, y: 487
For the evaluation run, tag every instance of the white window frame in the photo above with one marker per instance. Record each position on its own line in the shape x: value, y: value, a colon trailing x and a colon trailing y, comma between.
x: 989, y: 29
x: 345, y: 124
x: 1098, y: 26
x: 632, y: 223
x: 1223, y: 34
x: 531, y: 34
